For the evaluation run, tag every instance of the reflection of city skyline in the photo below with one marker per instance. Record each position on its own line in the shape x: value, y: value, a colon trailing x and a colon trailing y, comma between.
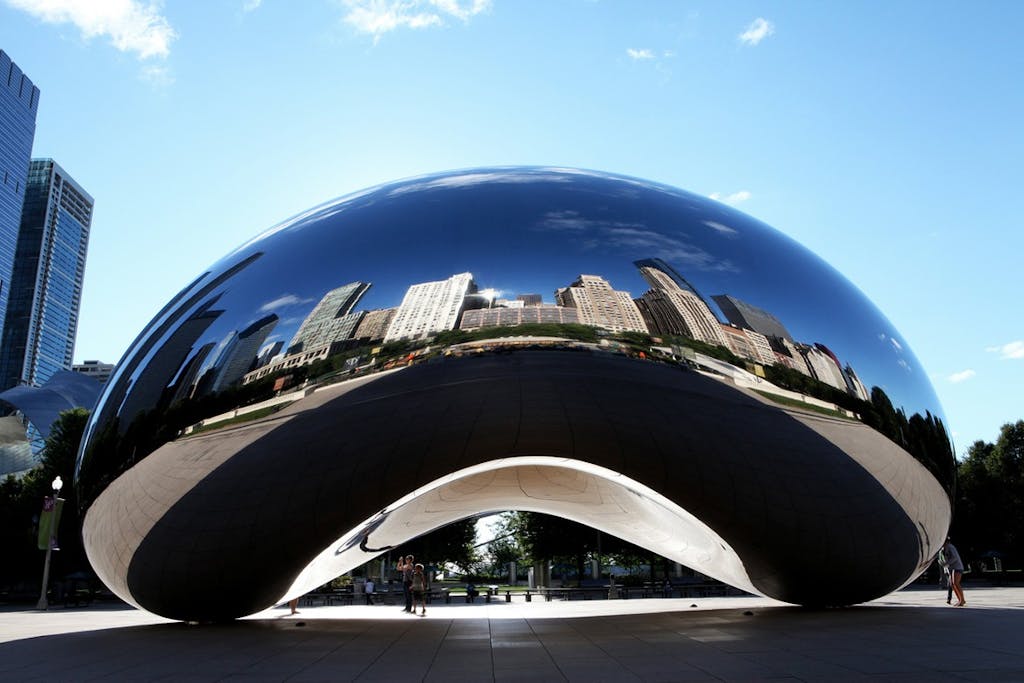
x: 671, y: 306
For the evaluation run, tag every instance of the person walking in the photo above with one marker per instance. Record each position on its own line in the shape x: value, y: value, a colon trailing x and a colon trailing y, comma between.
x: 406, y: 567
x: 956, y: 570
x: 944, y: 578
x: 420, y: 587
x: 368, y: 589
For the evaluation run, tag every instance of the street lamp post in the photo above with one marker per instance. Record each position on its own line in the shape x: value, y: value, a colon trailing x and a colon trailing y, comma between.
x: 57, y: 485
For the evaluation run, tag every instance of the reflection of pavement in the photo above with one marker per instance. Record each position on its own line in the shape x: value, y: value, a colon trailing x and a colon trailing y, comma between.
x: 263, y: 499
x: 906, y: 636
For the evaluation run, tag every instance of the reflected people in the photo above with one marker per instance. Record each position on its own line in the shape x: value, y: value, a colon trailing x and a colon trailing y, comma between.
x: 621, y: 353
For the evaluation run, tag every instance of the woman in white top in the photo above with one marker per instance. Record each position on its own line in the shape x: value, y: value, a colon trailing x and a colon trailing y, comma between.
x: 956, y: 570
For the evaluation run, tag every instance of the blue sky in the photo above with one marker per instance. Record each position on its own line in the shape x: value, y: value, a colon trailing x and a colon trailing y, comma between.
x: 886, y: 137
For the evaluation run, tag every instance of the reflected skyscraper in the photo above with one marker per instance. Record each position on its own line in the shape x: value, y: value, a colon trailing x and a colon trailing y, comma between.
x: 518, y: 315
x: 46, y: 285
x: 597, y: 304
x: 431, y: 307
x: 331, y: 319
x: 149, y: 392
x: 673, y: 306
x: 744, y: 315
x: 19, y: 102
x: 374, y: 324
x: 240, y: 354
x: 749, y: 344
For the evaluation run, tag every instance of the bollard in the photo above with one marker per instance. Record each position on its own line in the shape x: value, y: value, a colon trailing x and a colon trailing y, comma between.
x: 508, y: 596
x: 529, y: 598
x: 487, y: 596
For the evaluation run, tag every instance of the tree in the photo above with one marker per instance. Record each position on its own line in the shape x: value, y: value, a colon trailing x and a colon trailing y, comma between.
x: 990, y: 496
x: 450, y: 544
x: 21, y: 501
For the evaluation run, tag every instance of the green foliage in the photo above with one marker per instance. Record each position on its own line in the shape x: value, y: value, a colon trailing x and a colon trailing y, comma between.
x: 990, y: 497
x: 450, y: 544
x: 584, y: 333
x: 21, y: 501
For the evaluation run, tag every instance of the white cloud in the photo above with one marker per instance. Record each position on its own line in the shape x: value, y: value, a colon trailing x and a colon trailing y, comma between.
x: 758, y: 30
x: 641, y: 53
x: 1012, y: 351
x: 377, y: 17
x: 724, y: 229
x: 734, y: 198
x: 283, y: 301
x: 251, y: 5
x: 963, y: 376
x: 129, y: 25
x: 157, y: 75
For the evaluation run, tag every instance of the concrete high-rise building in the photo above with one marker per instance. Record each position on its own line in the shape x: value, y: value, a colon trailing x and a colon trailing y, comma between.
x: 749, y: 344
x: 823, y: 366
x: 99, y: 371
x: 431, y: 307
x: 46, y: 283
x: 597, y: 304
x: 518, y: 315
x: 19, y: 101
x: 331, y: 319
x: 529, y: 299
x: 374, y: 324
x: 673, y: 306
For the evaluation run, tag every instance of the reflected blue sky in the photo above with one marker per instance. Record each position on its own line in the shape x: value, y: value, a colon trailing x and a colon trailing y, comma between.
x: 534, y: 230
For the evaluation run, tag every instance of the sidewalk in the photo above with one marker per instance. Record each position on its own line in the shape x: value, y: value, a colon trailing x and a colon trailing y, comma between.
x: 907, y: 636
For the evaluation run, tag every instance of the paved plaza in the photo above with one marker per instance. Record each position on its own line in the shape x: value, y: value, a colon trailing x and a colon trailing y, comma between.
x: 911, y: 635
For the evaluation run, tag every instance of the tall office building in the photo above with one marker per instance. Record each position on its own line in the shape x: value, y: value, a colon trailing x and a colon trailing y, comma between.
x: 599, y: 305
x: 46, y: 283
x: 431, y: 307
x: 331, y: 319
x: 673, y: 305
x: 19, y: 101
x: 750, y: 317
x: 98, y: 370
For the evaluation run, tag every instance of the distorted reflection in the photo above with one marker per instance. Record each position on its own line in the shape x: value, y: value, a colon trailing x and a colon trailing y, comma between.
x: 492, y: 262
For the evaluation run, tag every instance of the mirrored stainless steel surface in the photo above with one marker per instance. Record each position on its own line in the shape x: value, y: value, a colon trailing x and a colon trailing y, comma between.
x: 626, y: 354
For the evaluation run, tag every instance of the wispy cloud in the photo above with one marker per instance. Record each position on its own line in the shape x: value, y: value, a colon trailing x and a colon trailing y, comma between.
x: 724, y: 229
x: 283, y: 301
x: 251, y: 5
x: 758, y: 30
x: 962, y: 376
x: 634, y: 238
x: 734, y: 198
x: 640, y: 53
x: 129, y: 25
x: 1012, y: 351
x: 157, y: 75
x: 377, y: 17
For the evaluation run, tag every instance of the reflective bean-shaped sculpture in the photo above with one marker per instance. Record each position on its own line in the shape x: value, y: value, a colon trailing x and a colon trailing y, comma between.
x: 617, y: 352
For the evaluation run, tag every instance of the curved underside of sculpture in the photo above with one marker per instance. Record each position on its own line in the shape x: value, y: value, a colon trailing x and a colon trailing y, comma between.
x: 804, y: 508
x: 625, y: 354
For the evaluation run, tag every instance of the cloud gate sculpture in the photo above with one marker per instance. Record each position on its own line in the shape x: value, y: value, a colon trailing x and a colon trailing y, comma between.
x: 646, y: 361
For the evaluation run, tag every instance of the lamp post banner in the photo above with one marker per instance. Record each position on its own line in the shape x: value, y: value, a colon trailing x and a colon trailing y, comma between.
x: 49, y: 522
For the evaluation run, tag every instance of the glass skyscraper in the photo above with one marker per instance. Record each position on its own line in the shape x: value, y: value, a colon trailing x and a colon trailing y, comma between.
x: 46, y: 285
x: 19, y: 101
